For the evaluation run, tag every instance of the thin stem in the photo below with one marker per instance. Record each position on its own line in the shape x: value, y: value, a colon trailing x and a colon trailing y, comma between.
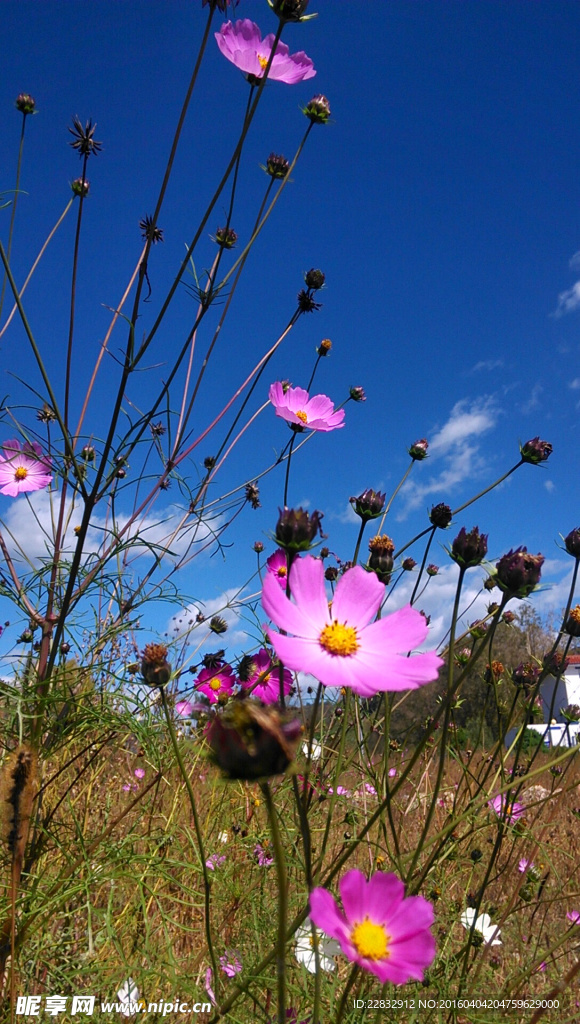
x: 287, y: 477
x: 13, y: 213
x: 73, y: 295
x: 282, y: 879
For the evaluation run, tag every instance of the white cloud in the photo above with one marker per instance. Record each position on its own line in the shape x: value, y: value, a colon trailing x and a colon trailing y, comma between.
x: 487, y: 364
x: 574, y: 384
x: 549, y: 485
x: 533, y: 401
x: 568, y: 300
x: 453, y: 443
x: 229, y: 605
x: 574, y: 263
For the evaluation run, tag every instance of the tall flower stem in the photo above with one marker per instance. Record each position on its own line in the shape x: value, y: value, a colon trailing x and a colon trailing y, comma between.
x: 287, y: 477
x: 282, y: 879
x: 393, y: 495
x: 359, y: 541
x: 198, y: 833
x: 346, y: 992
x: 13, y: 212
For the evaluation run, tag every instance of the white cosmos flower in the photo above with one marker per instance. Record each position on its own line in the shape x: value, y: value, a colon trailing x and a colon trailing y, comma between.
x: 304, y: 950
x: 315, y: 752
x: 128, y: 994
x: 491, y: 933
x: 223, y: 837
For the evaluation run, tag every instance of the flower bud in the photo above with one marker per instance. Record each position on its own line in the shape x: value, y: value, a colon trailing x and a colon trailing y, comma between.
x: 324, y: 347
x: 226, y: 238
x: 535, y: 451
x: 526, y: 675
x: 408, y: 563
x: 555, y: 664
x: 290, y: 10
x: 518, y: 573
x: 306, y: 303
x: 252, y: 493
x: 258, y: 547
x: 380, y: 560
x: 418, y: 450
x: 369, y: 505
x: 440, y: 515
x: 88, y: 453
x: 571, y: 713
x: 277, y: 166
x: 469, y: 549
x: 508, y: 617
x: 218, y: 625
x: 572, y: 627
x: 357, y: 394
x: 314, y: 279
x: 209, y: 461
x: 80, y: 187
x: 155, y: 668
x: 317, y: 110
x: 331, y: 573
x: 572, y: 542
x: 296, y: 529
x: 432, y: 570
x: 478, y: 629
x: 249, y: 741
x: 25, y: 103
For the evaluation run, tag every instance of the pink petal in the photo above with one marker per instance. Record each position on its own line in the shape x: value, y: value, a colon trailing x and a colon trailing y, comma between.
x: 319, y: 407
x: 308, y: 590
x: 353, y: 892
x: 397, y: 633
x: 385, y: 895
x: 284, y: 613
x: 276, y: 393
x: 358, y: 597
x: 326, y: 915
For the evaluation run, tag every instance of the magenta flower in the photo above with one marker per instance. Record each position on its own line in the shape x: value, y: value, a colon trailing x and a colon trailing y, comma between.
x: 342, y: 646
x: 264, y: 681
x: 230, y: 963
x: 216, y: 683
x: 262, y: 856
x: 23, y: 468
x: 573, y: 916
x: 215, y: 861
x: 139, y: 773
x: 277, y: 564
x: 511, y: 812
x: 525, y: 865
x: 242, y: 44
x: 380, y: 930
x: 297, y: 407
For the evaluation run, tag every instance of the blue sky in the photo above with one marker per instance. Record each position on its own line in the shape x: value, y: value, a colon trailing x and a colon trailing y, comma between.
x: 442, y: 203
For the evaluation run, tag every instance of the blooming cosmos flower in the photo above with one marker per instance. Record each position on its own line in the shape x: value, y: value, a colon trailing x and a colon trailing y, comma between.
x: 139, y: 773
x: 524, y: 865
x: 242, y: 44
x: 128, y: 995
x: 338, y: 646
x: 511, y: 812
x: 379, y: 930
x: 482, y: 924
x: 304, y: 949
x: 264, y: 680
x: 315, y: 750
x: 277, y: 564
x: 23, y: 468
x: 574, y: 916
x: 184, y: 708
x: 216, y: 683
x: 230, y: 963
x: 297, y: 407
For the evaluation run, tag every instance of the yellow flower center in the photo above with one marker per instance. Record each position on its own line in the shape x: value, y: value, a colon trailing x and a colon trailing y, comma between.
x: 215, y: 683
x: 282, y: 571
x: 370, y: 940
x: 302, y: 416
x: 262, y: 61
x: 339, y: 639
x: 21, y: 473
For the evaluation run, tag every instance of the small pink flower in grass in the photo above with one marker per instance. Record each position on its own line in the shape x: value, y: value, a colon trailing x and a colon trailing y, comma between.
x: 208, y: 985
x: 277, y: 564
x: 262, y: 856
x: 510, y: 811
x: 184, y: 708
x: 230, y: 963
x: 139, y: 773
x: 23, y: 468
x: 341, y: 791
x: 380, y: 930
x: 344, y: 647
x: 392, y: 773
x: 297, y: 407
x: 525, y: 865
x: 264, y: 682
x: 215, y: 861
x: 574, y: 916
x: 216, y: 683
x: 242, y: 44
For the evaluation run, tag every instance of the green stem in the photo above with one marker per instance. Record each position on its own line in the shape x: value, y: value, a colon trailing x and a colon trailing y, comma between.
x: 347, y: 988
x: 359, y: 540
x: 288, y: 470
x: 282, y: 878
x: 13, y: 213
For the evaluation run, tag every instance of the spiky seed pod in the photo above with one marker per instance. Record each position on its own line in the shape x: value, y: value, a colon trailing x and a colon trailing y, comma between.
x: 17, y: 791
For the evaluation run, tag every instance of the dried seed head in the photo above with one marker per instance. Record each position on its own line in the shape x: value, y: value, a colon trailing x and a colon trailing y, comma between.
x: 17, y: 791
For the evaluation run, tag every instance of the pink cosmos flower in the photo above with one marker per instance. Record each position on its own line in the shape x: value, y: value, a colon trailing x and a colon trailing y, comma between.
x: 242, y: 44
x: 230, y: 963
x: 277, y: 564
x: 341, y: 791
x: 184, y: 708
x: 392, y: 773
x: 524, y: 865
x: 216, y: 683
x: 511, y: 812
x: 297, y: 407
x: 262, y: 856
x: 215, y: 861
x: 264, y: 681
x: 574, y: 916
x: 139, y: 773
x: 343, y: 646
x: 23, y: 468
x: 380, y: 930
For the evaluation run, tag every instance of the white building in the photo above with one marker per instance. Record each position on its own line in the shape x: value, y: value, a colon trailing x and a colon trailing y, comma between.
x: 555, y: 695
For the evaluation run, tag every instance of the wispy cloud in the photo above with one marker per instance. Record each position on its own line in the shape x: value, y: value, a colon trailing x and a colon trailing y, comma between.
x: 454, y: 445
x: 574, y: 263
x: 487, y: 364
x: 229, y: 606
x: 568, y: 300
x: 575, y: 384
x: 550, y: 486
x: 533, y: 401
